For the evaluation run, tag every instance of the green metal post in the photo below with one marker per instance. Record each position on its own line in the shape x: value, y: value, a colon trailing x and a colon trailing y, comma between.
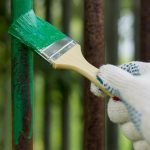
x: 22, y: 82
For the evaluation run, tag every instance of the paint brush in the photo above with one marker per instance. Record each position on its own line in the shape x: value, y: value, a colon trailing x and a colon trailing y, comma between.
x: 54, y: 46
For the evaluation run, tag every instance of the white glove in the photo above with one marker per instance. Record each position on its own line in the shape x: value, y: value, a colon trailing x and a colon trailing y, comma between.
x: 128, y: 88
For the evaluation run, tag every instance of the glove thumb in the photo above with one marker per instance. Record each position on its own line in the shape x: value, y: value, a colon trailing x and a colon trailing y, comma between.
x: 113, y: 77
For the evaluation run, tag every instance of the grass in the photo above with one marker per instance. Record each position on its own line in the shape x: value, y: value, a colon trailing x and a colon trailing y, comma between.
x: 124, y: 143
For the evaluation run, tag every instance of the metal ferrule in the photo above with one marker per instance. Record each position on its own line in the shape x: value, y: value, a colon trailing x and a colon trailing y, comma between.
x: 55, y: 50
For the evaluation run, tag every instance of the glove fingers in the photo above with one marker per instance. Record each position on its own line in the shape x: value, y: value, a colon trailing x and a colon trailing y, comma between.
x: 131, y: 67
x: 131, y: 132
x: 96, y: 91
x: 117, y: 111
x: 141, y: 145
x: 145, y: 127
x: 136, y: 67
x: 143, y: 67
x: 114, y: 78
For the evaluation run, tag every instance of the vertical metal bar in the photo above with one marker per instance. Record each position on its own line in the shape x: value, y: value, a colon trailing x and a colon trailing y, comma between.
x: 47, y: 112
x: 47, y: 96
x: 66, y: 15
x: 5, y: 119
x: 65, y: 88
x: 48, y: 15
x: 136, y: 12
x: 65, y: 116
x: 94, y: 130
x: 22, y: 85
x: 112, y: 13
x: 145, y: 31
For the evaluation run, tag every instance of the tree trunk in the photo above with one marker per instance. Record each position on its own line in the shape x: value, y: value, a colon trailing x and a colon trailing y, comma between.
x: 94, y: 130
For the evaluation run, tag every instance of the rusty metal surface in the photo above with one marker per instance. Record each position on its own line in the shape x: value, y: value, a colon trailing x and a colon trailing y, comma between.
x: 94, y: 129
x: 145, y: 31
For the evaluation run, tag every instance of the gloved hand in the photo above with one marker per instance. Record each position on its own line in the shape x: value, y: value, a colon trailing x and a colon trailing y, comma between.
x: 131, y: 84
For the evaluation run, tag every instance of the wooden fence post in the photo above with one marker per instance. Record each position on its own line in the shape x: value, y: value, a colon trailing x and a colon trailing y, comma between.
x: 94, y: 130
x: 22, y: 82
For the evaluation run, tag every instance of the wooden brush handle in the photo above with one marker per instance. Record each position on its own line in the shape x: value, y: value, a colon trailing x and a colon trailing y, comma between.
x: 74, y: 60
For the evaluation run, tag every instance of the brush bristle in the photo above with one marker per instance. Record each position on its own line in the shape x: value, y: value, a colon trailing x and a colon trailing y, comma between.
x: 35, y: 32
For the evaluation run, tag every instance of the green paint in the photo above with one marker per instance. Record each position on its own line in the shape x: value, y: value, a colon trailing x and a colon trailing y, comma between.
x: 35, y: 32
x: 20, y: 7
x: 32, y: 97
x: 20, y: 88
x: 22, y: 77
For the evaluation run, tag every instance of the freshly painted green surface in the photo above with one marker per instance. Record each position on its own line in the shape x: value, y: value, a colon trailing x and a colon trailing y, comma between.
x: 30, y: 135
x: 21, y: 87
x: 20, y: 7
x: 22, y: 80
x: 35, y: 32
